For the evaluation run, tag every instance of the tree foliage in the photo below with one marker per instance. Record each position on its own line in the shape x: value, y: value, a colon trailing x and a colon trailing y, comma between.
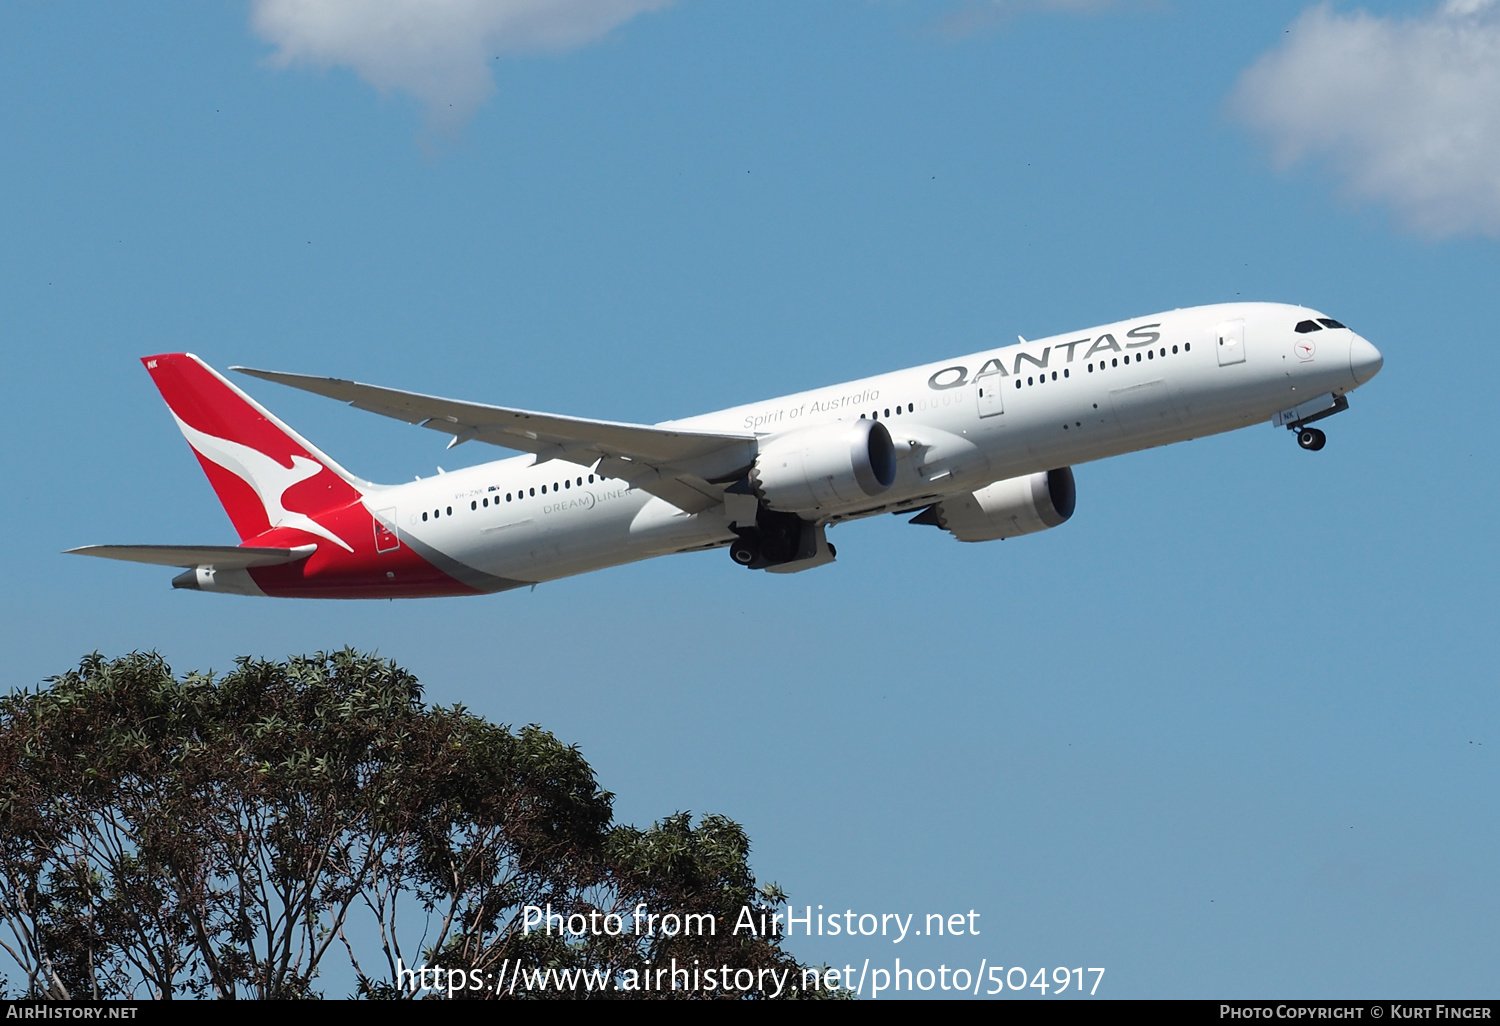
x: 226, y: 837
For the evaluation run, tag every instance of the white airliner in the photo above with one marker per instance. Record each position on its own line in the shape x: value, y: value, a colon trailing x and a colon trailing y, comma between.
x: 980, y: 446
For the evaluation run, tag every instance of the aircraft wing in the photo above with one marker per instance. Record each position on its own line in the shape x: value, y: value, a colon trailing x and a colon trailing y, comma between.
x: 221, y: 557
x: 674, y: 464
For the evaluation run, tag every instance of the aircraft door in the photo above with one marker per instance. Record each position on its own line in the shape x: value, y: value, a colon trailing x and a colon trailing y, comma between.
x: 386, y: 538
x: 1231, y: 342
x: 990, y: 399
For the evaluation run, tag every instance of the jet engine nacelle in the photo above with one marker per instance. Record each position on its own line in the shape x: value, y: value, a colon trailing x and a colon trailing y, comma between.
x: 1005, y: 509
x: 825, y: 469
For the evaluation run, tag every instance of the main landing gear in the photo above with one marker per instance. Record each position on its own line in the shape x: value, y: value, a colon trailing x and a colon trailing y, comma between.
x: 1311, y: 439
x: 745, y: 551
x: 778, y: 539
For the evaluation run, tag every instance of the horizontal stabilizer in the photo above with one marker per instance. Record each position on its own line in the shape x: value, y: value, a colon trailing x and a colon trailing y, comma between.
x: 221, y: 557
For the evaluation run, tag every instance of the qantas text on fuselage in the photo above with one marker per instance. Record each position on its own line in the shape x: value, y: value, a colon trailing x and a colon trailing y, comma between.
x: 980, y: 446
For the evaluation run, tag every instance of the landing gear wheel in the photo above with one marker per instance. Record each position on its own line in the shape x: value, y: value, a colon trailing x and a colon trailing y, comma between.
x: 1311, y: 439
x: 744, y: 552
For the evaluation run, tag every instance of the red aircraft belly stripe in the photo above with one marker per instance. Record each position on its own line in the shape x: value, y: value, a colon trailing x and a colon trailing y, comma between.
x: 330, y: 572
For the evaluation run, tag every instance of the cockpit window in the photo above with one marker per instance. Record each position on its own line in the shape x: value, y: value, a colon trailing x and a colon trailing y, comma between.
x: 1329, y: 322
x: 1303, y: 327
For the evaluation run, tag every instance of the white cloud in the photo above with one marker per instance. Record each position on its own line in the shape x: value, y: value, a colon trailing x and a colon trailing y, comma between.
x: 437, y: 50
x: 1405, y: 111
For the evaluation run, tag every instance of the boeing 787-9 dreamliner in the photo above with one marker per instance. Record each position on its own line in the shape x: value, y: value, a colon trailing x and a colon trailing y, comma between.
x: 980, y: 446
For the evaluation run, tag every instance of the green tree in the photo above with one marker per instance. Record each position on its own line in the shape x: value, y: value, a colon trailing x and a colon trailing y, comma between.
x: 224, y: 837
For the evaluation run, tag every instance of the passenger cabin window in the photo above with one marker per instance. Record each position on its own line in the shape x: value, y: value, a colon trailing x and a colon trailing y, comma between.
x: 1303, y: 327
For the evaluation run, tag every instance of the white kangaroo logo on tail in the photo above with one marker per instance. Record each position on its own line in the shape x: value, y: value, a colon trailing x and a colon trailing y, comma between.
x: 266, y: 476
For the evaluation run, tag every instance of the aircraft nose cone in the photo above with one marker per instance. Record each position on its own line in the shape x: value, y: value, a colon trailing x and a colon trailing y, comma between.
x: 1365, y: 360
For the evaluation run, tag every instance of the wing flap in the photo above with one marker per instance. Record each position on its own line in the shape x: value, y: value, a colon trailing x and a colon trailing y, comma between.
x: 688, y: 493
x: 220, y: 557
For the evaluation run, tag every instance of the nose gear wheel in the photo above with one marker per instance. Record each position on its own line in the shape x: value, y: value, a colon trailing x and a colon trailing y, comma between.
x: 1311, y: 439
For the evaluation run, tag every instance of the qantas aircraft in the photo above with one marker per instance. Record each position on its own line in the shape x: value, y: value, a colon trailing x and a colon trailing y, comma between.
x: 980, y: 446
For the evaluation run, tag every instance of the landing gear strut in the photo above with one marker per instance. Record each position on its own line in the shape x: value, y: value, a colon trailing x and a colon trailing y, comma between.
x: 1311, y: 439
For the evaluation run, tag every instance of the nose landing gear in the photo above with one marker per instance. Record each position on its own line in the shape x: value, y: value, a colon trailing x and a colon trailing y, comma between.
x: 1299, y: 418
x: 1311, y: 439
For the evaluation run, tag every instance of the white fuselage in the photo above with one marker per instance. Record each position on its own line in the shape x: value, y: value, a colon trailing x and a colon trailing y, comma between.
x: 959, y: 425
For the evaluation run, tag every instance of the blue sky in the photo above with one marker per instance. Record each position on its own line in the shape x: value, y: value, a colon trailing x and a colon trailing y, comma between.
x: 1231, y: 731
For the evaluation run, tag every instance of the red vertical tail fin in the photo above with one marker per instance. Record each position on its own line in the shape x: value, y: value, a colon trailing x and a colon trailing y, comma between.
x: 266, y: 475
